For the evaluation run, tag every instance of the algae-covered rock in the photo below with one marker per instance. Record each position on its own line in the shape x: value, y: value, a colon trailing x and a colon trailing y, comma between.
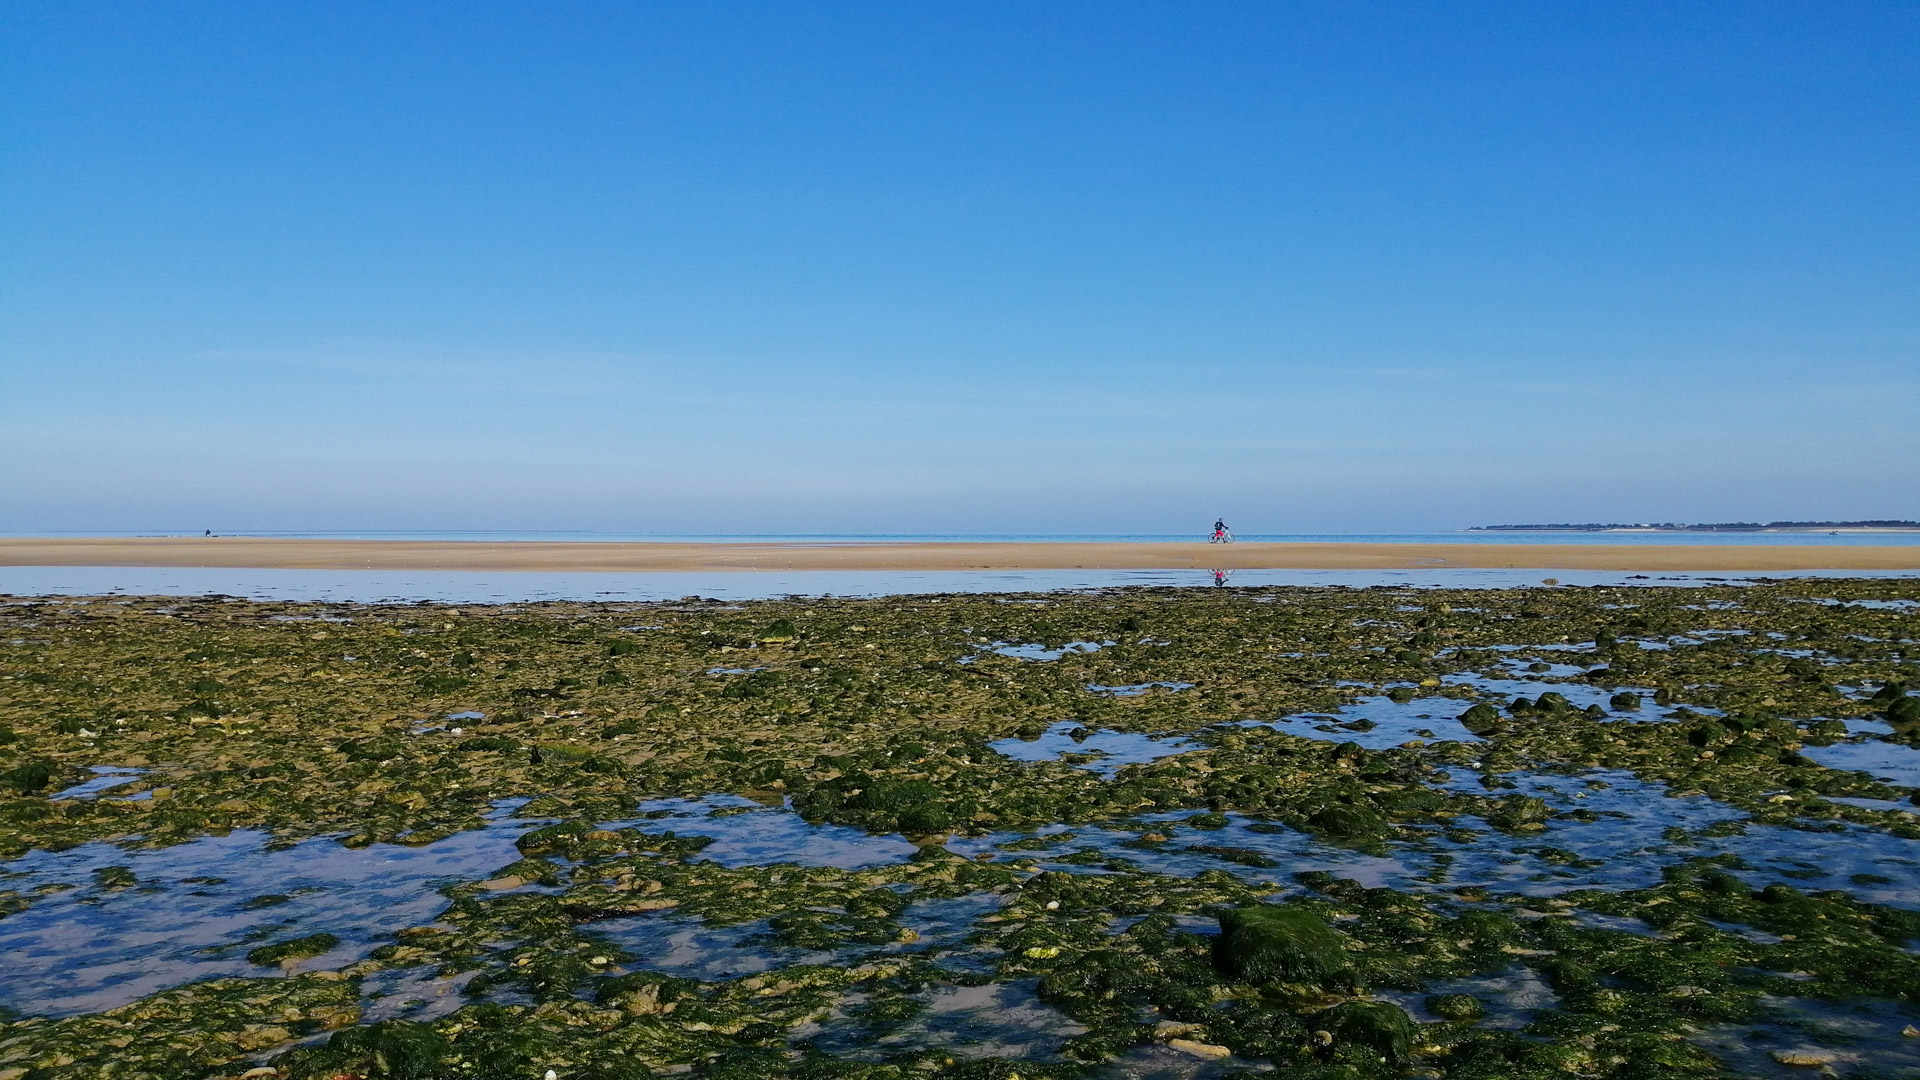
x: 389, y: 1050
x: 560, y: 837
x: 1457, y: 1007
x: 1904, y: 711
x: 1519, y: 811
x: 28, y: 777
x: 115, y: 877
x: 1344, y: 822
x: 1278, y: 943
x: 778, y: 632
x: 925, y: 820
x: 1481, y: 719
x: 1380, y: 1028
x: 1625, y: 701
x: 296, y: 949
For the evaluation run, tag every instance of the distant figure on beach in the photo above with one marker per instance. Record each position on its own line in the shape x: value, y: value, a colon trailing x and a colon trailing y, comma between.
x: 1220, y: 576
x: 209, y: 532
x: 1221, y: 534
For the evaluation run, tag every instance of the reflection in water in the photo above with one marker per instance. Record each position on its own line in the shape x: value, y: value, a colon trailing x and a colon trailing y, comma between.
x: 1002, y: 1020
x: 196, y: 908
x: 746, y: 833
x: 1853, y: 1038
x: 1106, y: 751
x: 105, y: 778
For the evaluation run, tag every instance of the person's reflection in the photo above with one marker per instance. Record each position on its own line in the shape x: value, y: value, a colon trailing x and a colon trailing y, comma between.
x: 1220, y: 576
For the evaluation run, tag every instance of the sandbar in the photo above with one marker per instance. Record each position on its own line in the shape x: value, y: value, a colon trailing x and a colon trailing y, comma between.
x: 650, y: 556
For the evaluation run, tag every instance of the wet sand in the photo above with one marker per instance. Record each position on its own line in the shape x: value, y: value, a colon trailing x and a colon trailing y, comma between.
x: 296, y: 554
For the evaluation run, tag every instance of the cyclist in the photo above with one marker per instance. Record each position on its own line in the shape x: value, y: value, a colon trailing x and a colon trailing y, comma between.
x: 1220, y: 533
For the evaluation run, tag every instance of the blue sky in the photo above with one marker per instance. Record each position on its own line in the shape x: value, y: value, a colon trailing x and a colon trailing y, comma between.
x: 1033, y: 267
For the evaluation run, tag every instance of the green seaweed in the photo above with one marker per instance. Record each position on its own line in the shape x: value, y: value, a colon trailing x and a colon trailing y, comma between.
x: 1275, y: 943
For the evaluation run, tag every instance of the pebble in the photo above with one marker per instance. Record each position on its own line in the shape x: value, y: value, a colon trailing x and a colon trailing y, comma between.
x: 1199, y: 1049
x: 1805, y: 1058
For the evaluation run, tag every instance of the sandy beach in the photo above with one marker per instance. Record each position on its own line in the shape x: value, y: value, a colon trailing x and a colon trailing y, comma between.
x: 279, y: 553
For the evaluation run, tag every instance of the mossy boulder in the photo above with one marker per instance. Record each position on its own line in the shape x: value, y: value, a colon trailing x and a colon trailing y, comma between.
x: 1346, y: 822
x: 1519, y: 812
x: 1278, y: 943
x: 925, y: 820
x: 1904, y: 711
x: 558, y: 837
x: 778, y: 632
x: 1377, y: 1028
x: 389, y: 1050
x: 1481, y: 719
x: 28, y: 777
x: 1460, y: 1008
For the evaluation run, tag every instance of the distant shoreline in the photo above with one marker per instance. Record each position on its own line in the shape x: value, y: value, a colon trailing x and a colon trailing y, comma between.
x: 658, y: 556
x: 1728, y: 527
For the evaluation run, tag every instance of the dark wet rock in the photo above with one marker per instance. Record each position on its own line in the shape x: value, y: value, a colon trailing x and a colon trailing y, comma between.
x: 389, y: 1050
x: 1378, y: 1028
x: 1519, y: 812
x: 1457, y: 1007
x: 1481, y: 719
x: 560, y: 838
x: 296, y: 949
x: 1344, y: 822
x: 1239, y: 855
x: 1904, y: 711
x: 1278, y: 943
x: 29, y: 777
x: 115, y: 877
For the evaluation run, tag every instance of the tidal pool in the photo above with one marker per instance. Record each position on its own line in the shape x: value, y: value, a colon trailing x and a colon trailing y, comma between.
x: 193, y: 911
x: 1106, y: 751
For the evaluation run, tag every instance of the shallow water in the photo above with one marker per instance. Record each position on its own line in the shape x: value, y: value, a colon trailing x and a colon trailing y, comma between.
x: 762, y: 835
x: 1393, y: 723
x: 1855, y: 1038
x: 1512, y: 998
x: 476, y: 587
x: 695, y: 950
x: 1040, y: 652
x: 1137, y: 689
x: 1003, y: 1019
x: 106, y: 778
x: 189, y: 916
x: 1894, y: 763
x: 1115, y: 748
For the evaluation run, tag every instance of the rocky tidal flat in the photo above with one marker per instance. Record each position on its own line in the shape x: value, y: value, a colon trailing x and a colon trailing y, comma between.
x: 1613, y: 831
